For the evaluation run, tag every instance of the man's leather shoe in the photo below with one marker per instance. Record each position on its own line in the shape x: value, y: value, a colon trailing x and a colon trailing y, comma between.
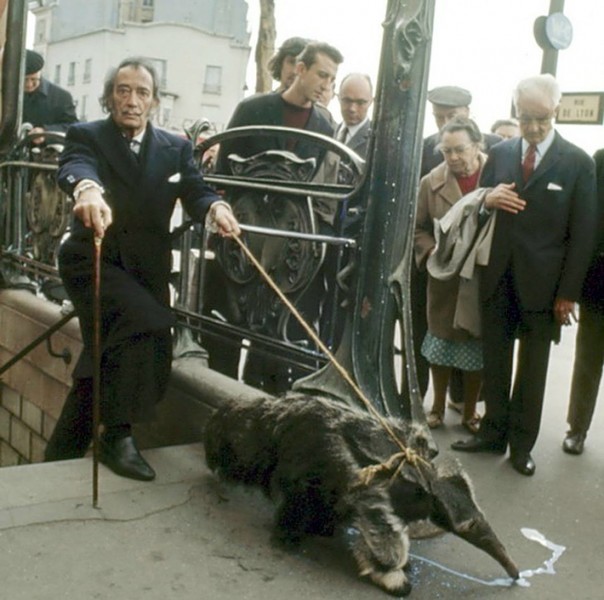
x: 123, y: 458
x: 523, y: 463
x: 478, y: 444
x: 573, y: 443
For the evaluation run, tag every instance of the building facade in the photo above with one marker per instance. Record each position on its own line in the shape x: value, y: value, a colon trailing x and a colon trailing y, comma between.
x: 199, y: 47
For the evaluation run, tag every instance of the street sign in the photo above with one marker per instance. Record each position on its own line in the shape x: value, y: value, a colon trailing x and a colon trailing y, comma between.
x: 581, y: 108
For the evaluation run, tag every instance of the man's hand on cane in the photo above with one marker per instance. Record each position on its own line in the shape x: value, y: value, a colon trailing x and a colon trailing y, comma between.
x: 91, y: 208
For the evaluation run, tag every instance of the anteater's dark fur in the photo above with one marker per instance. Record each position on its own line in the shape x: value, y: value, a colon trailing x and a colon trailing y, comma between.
x: 306, y: 453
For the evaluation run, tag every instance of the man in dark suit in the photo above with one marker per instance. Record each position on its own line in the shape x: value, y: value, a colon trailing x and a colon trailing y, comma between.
x: 589, y: 345
x: 543, y: 189
x: 355, y: 97
x: 46, y: 106
x: 125, y: 176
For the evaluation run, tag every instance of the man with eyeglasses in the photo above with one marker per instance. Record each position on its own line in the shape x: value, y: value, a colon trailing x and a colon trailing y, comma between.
x: 543, y: 190
x: 46, y: 106
x: 355, y: 96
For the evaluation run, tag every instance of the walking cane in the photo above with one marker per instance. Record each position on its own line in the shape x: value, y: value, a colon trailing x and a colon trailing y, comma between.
x: 96, y: 373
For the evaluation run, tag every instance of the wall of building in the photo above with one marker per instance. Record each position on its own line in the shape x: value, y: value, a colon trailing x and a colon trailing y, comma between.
x: 33, y: 390
x: 190, y: 40
x: 184, y: 51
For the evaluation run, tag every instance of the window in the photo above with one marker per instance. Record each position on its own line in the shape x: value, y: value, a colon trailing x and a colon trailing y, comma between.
x: 148, y: 3
x: 40, y: 31
x: 83, y: 106
x: 87, y: 70
x: 213, y: 81
x: 58, y: 74
x: 161, y: 66
x: 71, y: 74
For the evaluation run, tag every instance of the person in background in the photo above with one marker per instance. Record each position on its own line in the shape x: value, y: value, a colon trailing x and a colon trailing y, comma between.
x: 46, y: 106
x: 125, y: 176
x: 544, y: 191
x: 297, y: 108
x: 444, y: 346
x: 589, y: 345
x: 447, y: 103
x: 282, y: 66
x: 506, y: 128
x: 355, y: 97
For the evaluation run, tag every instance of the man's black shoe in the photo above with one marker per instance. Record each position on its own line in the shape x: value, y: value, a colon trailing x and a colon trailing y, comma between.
x: 573, y: 443
x: 123, y: 458
x: 523, y: 463
x: 478, y: 444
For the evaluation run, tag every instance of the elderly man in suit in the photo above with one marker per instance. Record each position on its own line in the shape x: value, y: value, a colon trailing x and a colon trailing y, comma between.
x: 125, y: 176
x: 355, y: 97
x: 544, y: 191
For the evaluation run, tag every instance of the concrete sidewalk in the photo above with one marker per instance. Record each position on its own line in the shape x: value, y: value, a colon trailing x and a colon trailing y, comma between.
x: 188, y: 536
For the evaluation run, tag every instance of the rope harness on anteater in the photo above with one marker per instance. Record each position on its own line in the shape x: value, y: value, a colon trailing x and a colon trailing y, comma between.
x: 395, y: 463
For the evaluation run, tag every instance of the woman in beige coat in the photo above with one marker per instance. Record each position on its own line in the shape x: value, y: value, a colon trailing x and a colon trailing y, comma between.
x: 444, y: 346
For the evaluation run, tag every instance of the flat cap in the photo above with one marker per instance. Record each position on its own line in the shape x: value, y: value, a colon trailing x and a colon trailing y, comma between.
x: 33, y: 62
x: 450, y: 95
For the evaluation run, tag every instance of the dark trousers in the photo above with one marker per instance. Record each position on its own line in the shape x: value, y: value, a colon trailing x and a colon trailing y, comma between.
x: 134, y: 376
x: 587, y: 369
x: 513, y: 414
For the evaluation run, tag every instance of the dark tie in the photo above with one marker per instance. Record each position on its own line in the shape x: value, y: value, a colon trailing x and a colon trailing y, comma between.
x: 343, y: 135
x: 135, y: 146
x: 528, y: 164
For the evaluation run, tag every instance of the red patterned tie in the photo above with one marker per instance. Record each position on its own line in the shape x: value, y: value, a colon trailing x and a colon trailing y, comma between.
x: 528, y: 164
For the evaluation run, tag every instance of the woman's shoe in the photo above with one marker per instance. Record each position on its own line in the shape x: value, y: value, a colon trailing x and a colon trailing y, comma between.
x: 473, y: 424
x: 434, y: 419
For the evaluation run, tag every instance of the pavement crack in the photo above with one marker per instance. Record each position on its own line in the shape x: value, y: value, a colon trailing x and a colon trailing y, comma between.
x: 98, y: 514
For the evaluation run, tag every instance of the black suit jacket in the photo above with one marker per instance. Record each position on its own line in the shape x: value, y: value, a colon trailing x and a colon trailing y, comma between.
x: 137, y: 246
x: 267, y: 109
x: 50, y: 107
x: 550, y: 242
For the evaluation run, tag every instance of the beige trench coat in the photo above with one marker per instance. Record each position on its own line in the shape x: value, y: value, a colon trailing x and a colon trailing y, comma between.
x: 438, y: 192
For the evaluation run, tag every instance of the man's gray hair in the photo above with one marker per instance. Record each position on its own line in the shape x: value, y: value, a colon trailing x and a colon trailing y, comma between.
x: 136, y: 62
x: 543, y: 88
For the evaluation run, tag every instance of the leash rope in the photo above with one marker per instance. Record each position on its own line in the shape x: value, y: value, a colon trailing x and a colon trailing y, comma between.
x: 367, y: 473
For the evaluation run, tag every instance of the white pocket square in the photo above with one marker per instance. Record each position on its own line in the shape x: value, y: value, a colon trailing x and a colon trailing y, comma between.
x: 554, y: 186
x: 175, y: 178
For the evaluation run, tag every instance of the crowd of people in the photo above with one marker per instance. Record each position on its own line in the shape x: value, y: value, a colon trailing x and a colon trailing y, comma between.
x: 535, y: 230
x: 526, y: 203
